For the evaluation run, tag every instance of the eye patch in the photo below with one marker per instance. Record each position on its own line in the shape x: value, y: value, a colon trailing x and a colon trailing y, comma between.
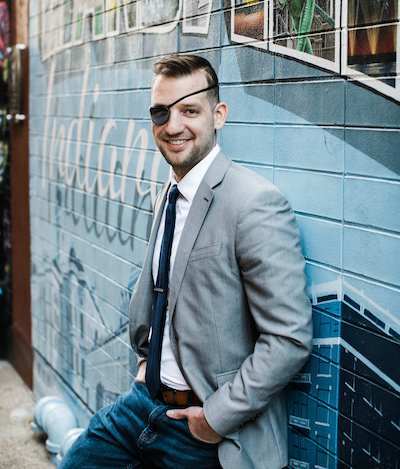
x: 160, y: 114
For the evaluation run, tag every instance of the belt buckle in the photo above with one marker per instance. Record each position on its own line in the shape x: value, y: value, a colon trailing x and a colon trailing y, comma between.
x: 176, y: 397
x: 169, y: 395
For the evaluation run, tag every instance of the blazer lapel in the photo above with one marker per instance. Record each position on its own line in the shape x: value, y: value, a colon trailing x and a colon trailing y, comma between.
x: 197, y: 214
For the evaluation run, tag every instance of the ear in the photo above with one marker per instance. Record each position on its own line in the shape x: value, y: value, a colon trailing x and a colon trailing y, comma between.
x: 220, y: 115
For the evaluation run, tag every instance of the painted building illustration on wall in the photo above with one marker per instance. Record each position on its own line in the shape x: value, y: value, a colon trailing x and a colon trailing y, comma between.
x: 343, y: 405
x: 313, y: 88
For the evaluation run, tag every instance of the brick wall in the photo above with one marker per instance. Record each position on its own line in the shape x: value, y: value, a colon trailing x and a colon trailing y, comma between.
x: 317, y: 114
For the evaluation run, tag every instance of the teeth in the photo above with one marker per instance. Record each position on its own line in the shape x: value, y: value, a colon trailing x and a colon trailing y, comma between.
x: 177, y: 142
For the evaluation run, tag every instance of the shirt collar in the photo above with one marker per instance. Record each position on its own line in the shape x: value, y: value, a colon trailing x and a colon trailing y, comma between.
x: 189, y: 184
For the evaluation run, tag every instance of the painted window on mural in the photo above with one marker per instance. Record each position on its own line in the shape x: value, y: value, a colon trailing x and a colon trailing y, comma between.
x: 44, y: 28
x: 249, y: 20
x: 196, y: 16
x: 68, y: 20
x: 158, y: 12
x: 78, y: 25
x: 307, y: 29
x: 112, y: 16
x: 97, y: 23
x: 130, y: 7
x: 372, y: 38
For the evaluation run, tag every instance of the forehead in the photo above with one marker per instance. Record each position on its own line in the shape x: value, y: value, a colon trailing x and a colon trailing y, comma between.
x: 166, y: 90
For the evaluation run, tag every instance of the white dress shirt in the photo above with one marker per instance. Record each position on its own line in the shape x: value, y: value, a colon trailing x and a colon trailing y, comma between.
x: 169, y: 371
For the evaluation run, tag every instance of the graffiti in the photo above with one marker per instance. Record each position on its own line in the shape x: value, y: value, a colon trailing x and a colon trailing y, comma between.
x: 76, y: 337
x: 348, y: 387
x: 83, y: 172
x: 371, y: 37
x: 249, y: 21
x: 57, y: 148
x: 196, y: 16
x: 309, y: 30
x: 70, y: 23
x: 95, y: 175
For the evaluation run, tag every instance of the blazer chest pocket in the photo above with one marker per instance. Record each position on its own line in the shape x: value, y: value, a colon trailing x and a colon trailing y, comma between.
x: 203, y: 252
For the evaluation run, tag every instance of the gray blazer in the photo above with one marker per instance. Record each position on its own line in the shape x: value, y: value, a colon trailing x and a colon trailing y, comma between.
x: 240, y: 319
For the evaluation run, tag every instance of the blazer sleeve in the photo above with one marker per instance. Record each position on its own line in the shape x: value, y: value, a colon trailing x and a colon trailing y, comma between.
x: 272, y: 270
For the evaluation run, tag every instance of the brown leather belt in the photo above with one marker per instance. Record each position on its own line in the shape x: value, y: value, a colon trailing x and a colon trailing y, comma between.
x: 179, y: 398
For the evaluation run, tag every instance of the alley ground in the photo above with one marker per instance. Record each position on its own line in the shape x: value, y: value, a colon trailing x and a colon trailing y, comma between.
x: 19, y: 448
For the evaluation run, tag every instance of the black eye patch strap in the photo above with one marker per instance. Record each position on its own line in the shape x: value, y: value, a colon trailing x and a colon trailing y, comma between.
x: 190, y: 94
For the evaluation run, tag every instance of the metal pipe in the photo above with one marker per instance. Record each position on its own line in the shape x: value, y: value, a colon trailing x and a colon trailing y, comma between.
x: 53, y: 417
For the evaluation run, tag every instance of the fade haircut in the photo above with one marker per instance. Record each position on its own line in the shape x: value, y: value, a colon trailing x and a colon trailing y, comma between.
x: 175, y: 66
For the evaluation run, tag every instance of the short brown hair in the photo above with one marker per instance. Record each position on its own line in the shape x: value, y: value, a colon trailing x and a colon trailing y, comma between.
x: 175, y: 65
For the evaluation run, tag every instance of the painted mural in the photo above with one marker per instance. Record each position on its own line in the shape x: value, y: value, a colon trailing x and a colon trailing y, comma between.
x: 4, y: 32
x: 314, y: 89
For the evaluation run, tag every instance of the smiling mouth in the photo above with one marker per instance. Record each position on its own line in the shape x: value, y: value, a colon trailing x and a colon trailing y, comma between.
x: 176, y: 142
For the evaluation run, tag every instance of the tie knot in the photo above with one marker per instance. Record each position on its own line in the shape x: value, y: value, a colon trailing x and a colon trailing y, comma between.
x: 173, y: 194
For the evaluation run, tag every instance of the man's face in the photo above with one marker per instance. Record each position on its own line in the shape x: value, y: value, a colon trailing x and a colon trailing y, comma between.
x: 189, y: 134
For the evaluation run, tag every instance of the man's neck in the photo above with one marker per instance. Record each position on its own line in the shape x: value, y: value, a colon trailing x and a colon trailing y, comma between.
x: 180, y: 173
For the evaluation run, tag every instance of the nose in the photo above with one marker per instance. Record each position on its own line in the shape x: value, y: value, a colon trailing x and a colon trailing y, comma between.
x: 175, y: 122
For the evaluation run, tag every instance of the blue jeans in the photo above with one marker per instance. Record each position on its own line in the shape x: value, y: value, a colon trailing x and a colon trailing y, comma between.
x: 134, y: 433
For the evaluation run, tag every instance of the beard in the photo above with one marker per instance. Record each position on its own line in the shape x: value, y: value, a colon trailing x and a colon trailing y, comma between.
x: 183, y: 163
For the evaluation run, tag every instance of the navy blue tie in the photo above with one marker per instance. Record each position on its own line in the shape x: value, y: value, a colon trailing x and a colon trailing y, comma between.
x: 160, y: 299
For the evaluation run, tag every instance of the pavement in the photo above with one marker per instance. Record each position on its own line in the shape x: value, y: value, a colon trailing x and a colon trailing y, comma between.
x: 20, y: 448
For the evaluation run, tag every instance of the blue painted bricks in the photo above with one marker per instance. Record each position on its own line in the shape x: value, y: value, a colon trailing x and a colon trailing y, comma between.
x: 345, y: 398
x: 314, y: 107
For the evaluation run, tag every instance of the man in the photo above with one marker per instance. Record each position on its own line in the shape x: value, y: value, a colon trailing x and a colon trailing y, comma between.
x: 219, y: 318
